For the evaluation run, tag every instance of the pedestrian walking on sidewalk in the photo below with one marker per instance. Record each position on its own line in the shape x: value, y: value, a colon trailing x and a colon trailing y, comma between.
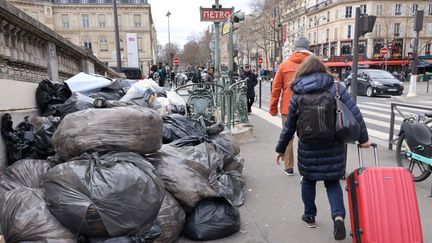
x: 281, y: 84
x: 251, y: 83
x: 320, y: 155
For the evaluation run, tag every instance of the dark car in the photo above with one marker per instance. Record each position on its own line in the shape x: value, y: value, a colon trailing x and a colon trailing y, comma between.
x: 130, y: 72
x: 371, y: 82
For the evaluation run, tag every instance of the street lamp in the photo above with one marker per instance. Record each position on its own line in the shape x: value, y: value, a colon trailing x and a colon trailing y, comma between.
x: 316, y: 20
x: 169, y: 41
x: 117, y: 37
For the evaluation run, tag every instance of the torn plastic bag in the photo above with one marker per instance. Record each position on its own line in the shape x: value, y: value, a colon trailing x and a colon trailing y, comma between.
x: 111, y: 195
x: 212, y: 219
x: 176, y: 126
x: 162, y: 106
x: 77, y: 102
x: 131, y: 128
x: 25, y: 217
x: 185, y: 179
x: 143, y: 89
x: 23, y: 173
x: 115, y: 91
x: 87, y: 83
x: 232, y: 187
x: 50, y: 94
x: 43, y: 136
x: 171, y: 219
x: 148, y: 236
x: 20, y: 142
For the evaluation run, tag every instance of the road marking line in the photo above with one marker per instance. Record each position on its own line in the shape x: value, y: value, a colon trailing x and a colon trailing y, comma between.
x: 378, y: 134
x: 380, y: 123
x: 380, y: 115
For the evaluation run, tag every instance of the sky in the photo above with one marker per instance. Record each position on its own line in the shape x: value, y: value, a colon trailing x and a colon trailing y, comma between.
x: 185, y: 17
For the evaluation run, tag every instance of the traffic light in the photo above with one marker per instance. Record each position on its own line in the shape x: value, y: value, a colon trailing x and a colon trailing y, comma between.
x: 418, y: 20
x: 237, y: 17
x: 367, y: 23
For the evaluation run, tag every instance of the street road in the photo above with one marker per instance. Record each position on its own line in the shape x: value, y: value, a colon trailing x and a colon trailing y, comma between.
x: 376, y: 111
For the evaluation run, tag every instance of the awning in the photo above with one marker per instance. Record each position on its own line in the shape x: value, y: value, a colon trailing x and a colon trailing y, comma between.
x: 347, y: 64
x: 370, y: 62
x: 428, y: 60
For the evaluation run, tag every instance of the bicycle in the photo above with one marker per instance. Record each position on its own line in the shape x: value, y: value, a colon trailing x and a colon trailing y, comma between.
x: 414, y: 145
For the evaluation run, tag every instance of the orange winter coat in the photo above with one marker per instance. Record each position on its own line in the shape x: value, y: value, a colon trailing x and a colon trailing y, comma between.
x: 282, y: 81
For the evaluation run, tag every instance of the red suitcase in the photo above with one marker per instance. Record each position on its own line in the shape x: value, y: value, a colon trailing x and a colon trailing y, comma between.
x: 383, y: 204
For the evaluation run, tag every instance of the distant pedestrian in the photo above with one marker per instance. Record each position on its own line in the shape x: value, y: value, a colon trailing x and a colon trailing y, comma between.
x: 281, y: 84
x: 320, y: 155
x: 251, y: 83
x: 162, y: 75
x: 153, y: 73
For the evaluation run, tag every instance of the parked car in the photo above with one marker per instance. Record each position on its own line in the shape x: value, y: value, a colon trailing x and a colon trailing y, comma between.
x: 371, y: 82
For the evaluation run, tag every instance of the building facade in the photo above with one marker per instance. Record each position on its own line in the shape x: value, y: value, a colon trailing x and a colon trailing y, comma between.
x: 329, y: 26
x: 90, y: 24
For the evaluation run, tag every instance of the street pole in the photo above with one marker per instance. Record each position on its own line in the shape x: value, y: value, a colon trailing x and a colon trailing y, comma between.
x: 217, y: 40
x: 418, y: 21
x: 169, y: 41
x: 117, y: 37
x: 355, y: 55
x: 231, y: 49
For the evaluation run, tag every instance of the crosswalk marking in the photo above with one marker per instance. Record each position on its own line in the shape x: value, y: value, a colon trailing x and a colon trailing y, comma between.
x: 381, y: 123
x: 381, y: 115
x: 378, y: 134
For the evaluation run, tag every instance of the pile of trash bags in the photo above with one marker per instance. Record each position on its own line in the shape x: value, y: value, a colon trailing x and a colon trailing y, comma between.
x: 117, y: 161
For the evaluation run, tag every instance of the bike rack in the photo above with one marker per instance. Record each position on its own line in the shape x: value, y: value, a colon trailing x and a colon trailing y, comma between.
x: 394, y: 106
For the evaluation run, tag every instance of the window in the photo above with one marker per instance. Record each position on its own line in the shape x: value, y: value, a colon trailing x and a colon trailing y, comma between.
x: 336, y: 34
x: 327, y: 35
x: 84, y: 1
x: 414, y: 8
x: 378, y: 29
x: 348, y: 12
x: 309, y: 36
x: 87, y: 43
x: 100, y: 1
x: 119, y: 19
x: 85, y: 21
x: 379, y: 10
x: 140, y: 44
x: 101, y: 19
x: 396, y: 30
x: 328, y: 16
x: 65, y: 21
x: 310, y: 22
x: 103, y: 44
x: 430, y: 9
x: 315, y: 37
x: 398, y: 9
x: 428, y: 49
x: 137, y: 20
x: 121, y: 44
x: 363, y: 8
x: 349, y: 32
x: 336, y: 14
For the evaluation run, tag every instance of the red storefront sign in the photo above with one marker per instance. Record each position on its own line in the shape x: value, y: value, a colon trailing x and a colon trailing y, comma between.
x: 215, y: 15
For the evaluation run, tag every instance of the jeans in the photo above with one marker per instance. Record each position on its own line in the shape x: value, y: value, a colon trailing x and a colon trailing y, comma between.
x: 334, y: 194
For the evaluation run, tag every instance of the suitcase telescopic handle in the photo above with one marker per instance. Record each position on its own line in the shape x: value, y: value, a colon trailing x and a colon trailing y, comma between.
x: 360, y: 154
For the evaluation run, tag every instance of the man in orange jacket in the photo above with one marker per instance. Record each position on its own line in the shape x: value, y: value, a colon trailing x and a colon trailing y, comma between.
x: 281, y: 83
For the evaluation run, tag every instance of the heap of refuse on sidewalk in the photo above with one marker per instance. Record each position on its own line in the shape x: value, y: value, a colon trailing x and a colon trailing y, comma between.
x: 117, y: 161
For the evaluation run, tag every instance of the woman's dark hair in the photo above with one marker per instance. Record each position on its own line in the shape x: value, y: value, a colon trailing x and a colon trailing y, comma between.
x: 153, y: 68
x: 310, y: 65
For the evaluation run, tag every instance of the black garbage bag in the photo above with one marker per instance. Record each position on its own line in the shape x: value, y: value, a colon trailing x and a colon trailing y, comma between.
x: 132, y: 128
x: 23, y: 173
x: 212, y: 219
x: 185, y: 179
x: 20, y: 142
x: 148, y: 236
x: 226, y: 147
x: 108, y: 195
x: 50, y: 94
x: 236, y: 164
x: 77, y: 102
x: 215, y: 129
x: 188, y: 141
x: 232, y: 187
x: 25, y: 217
x: 176, y: 126
x: 43, y: 136
x: 115, y: 91
x: 171, y: 219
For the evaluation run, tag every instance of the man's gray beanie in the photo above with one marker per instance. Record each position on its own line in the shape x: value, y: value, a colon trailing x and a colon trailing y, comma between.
x: 301, y: 43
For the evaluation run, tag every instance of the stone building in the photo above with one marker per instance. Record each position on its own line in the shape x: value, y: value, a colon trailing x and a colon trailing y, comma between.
x: 90, y: 24
x: 329, y: 25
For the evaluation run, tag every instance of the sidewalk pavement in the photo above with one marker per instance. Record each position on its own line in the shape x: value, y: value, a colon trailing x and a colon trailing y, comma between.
x: 273, y: 206
x: 421, y: 90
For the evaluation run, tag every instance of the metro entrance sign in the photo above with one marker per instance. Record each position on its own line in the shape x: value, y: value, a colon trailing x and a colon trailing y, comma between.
x: 215, y: 15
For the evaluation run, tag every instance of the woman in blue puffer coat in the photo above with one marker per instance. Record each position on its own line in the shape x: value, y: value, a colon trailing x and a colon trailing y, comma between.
x: 324, y: 161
